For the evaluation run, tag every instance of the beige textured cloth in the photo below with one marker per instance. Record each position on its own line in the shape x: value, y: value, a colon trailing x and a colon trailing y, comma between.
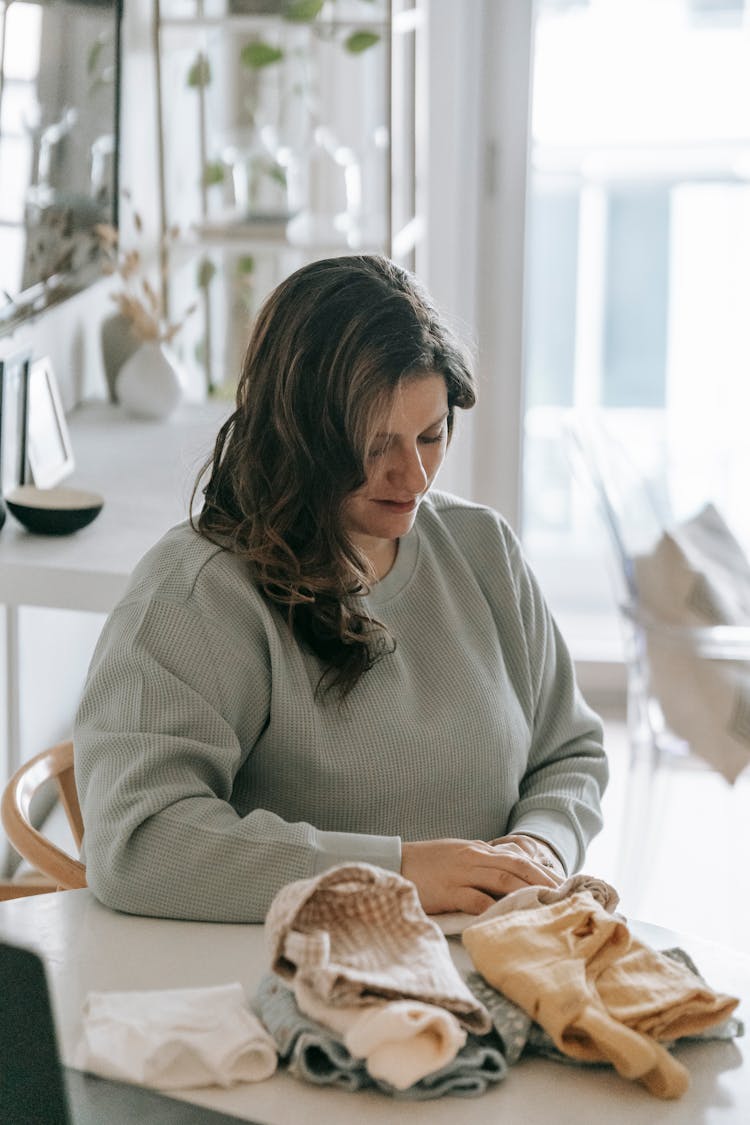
x: 357, y: 933
x: 600, y: 993
x: 401, y: 1041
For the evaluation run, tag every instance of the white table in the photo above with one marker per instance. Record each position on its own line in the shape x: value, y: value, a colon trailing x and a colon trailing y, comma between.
x: 85, y: 946
x: 145, y: 471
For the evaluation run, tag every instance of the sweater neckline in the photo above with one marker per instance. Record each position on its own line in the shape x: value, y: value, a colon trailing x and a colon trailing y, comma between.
x: 400, y: 573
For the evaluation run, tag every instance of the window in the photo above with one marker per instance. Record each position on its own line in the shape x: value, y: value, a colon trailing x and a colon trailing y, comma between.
x: 638, y: 271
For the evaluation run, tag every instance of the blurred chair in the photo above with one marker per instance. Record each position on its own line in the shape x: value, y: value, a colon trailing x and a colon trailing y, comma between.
x: 53, y: 767
x: 686, y: 681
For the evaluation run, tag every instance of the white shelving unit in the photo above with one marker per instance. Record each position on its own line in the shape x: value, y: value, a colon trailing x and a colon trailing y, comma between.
x: 290, y: 130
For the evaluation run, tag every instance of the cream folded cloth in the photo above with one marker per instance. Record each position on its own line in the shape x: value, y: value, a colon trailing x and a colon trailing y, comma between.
x: 401, y: 1041
x: 175, y: 1038
x: 527, y: 898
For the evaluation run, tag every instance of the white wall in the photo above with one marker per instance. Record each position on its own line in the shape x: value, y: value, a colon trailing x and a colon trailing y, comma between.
x: 56, y: 645
x: 479, y: 93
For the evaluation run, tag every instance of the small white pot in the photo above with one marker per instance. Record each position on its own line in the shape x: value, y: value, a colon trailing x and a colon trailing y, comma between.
x: 148, y: 384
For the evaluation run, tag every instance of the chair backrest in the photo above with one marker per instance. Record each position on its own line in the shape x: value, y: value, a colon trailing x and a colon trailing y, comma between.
x: 633, y: 512
x: 52, y: 765
x: 688, y: 668
x: 634, y: 516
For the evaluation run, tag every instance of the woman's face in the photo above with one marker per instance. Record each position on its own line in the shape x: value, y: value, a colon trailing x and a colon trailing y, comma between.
x: 402, y: 464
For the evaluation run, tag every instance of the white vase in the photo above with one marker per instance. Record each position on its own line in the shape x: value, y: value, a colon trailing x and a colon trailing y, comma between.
x: 148, y: 384
x: 118, y: 344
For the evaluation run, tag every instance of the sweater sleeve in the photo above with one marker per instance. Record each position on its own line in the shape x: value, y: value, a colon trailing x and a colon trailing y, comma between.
x: 157, y: 751
x: 567, y: 772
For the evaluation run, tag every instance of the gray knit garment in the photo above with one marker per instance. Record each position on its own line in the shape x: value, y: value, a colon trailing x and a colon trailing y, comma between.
x: 315, y: 1054
x: 210, y: 775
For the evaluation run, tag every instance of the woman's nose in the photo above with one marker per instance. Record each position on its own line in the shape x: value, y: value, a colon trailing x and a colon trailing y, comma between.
x: 408, y: 471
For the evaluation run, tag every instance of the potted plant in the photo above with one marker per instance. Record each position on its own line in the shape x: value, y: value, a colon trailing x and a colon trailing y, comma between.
x: 144, y: 374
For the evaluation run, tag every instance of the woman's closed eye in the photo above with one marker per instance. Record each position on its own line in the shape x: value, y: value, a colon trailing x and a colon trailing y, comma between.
x: 429, y: 438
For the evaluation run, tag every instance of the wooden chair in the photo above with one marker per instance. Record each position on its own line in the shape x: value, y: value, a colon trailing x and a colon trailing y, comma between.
x: 62, y: 870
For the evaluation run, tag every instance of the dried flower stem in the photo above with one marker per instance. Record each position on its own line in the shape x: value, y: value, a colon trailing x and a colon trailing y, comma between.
x: 137, y: 300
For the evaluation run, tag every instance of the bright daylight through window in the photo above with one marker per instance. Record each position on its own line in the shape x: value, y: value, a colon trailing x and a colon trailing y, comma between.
x: 638, y: 284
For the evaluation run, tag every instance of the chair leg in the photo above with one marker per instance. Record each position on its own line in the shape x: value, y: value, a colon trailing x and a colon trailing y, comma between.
x: 632, y: 864
x: 639, y: 824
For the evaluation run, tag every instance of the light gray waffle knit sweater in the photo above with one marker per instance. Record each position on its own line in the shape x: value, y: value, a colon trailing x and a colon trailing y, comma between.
x: 210, y: 776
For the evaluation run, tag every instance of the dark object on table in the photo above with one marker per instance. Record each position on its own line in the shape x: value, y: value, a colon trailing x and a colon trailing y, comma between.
x: 53, y: 511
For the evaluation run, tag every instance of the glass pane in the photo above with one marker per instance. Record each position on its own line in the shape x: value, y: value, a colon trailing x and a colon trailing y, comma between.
x: 638, y: 273
x: 635, y: 299
x: 552, y: 237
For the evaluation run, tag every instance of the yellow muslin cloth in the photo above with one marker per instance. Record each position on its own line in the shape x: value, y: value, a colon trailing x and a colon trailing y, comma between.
x: 600, y: 993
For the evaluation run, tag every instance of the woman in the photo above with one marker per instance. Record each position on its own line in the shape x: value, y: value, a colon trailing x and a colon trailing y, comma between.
x: 333, y: 663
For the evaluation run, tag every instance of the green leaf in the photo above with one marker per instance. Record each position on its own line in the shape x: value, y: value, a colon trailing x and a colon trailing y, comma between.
x: 303, y: 11
x: 93, y: 57
x: 206, y: 273
x: 246, y: 265
x: 360, y: 41
x: 199, y: 74
x: 277, y: 174
x: 259, y: 54
x: 213, y: 173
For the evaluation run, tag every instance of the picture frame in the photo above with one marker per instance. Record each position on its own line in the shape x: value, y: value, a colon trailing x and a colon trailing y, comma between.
x: 48, y: 445
x: 14, y: 390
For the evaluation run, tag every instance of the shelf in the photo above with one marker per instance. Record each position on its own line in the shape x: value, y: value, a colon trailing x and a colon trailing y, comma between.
x: 314, y: 249
x: 236, y: 233
x: 402, y: 23
x: 145, y: 471
x: 236, y: 21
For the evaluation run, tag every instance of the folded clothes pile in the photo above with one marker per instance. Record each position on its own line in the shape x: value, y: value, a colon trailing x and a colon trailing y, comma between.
x: 365, y: 964
x: 429, y: 1068
x: 364, y: 990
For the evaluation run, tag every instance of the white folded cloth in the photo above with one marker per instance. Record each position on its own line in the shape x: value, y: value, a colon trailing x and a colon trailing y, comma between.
x: 175, y: 1038
x: 401, y: 1041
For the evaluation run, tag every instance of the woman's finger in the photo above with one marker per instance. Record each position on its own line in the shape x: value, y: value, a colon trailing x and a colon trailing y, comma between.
x: 508, y: 862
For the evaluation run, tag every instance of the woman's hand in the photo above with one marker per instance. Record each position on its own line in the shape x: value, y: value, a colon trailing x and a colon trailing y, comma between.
x: 469, y: 875
x: 542, y: 854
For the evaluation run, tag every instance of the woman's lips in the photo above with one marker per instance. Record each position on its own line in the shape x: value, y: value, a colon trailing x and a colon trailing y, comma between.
x: 397, y: 505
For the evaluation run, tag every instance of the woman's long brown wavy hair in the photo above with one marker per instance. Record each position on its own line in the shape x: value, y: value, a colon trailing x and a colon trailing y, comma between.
x: 329, y: 347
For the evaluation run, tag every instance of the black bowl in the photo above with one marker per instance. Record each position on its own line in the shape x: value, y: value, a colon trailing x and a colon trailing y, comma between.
x: 53, y: 511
